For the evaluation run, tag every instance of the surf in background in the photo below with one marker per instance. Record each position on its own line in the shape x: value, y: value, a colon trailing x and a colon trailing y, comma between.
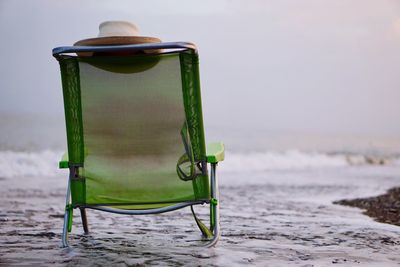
x: 32, y: 146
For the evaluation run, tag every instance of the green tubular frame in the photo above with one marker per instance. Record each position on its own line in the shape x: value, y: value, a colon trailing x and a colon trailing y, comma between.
x: 214, y: 152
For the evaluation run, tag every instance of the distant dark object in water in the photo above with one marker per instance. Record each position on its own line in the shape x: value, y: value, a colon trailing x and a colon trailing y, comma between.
x: 384, y: 208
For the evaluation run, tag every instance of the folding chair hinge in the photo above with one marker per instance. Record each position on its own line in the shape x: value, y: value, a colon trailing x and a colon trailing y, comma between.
x: 214, y: 201
x: 74, y: 171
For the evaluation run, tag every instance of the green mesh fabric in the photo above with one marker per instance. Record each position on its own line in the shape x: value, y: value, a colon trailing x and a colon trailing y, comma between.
x: 72, y: 108
x: 194, y: 115
x: 73, y: 117
x: 131, y: 113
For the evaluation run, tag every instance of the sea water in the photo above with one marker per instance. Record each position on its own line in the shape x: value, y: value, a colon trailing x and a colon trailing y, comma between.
x: 276, y: 199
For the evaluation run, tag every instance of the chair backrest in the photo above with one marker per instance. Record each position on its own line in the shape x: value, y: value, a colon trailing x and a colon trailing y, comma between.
x: 135, y: 129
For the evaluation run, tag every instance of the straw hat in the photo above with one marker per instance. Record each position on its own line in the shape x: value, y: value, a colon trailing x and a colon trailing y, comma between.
x: 118, y: 33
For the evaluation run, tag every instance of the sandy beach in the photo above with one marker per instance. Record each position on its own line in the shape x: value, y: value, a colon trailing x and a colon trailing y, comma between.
x: 271, y: 217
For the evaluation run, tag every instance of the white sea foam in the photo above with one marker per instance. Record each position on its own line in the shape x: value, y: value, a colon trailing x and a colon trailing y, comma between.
x: 296, y: 160
x: 16, y: 164
x: 261, y: 161
x: 45, y: 163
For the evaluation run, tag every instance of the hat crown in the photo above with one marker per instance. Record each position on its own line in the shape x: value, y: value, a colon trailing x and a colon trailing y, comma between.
x: 117, y: 28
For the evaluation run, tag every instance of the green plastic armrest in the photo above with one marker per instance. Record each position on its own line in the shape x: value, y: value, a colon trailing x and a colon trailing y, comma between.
x: 215, y: 152
x: 64, y: 161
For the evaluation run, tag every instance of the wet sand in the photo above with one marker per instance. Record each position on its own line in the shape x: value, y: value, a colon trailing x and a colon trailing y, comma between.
x: 269, y: 218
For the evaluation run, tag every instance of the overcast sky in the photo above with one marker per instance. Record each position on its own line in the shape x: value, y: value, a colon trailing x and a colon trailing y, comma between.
x: 309, y: 66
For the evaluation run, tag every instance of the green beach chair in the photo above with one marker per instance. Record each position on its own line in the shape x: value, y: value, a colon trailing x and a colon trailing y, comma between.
x: 135, y: 133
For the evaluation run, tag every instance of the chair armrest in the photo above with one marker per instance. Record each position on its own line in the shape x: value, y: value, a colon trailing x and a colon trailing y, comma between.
x: 63, y: 164
x: 215, y: 152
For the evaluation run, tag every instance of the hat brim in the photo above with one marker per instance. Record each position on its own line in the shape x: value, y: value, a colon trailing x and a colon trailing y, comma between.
x: 119, y: 40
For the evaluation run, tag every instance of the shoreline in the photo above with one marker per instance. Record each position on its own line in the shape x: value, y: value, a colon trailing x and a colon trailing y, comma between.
x: 384, y: 208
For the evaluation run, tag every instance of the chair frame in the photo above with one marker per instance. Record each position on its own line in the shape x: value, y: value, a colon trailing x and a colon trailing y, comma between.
x: 214, y: 155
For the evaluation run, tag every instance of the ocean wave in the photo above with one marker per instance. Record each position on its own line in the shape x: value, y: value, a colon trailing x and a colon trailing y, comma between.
x: 297, y: 160
x: 16, y: 164
x: 45, y: 163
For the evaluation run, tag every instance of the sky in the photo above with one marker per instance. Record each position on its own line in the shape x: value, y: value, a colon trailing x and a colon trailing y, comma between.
x: 326, y: 67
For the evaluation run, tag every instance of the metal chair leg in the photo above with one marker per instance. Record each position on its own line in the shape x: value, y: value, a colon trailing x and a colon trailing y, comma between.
x: 212, y: 233
x: 84, y: 220
x: 66, y: 218
x: 65, y: 230
x: 214, y: 207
